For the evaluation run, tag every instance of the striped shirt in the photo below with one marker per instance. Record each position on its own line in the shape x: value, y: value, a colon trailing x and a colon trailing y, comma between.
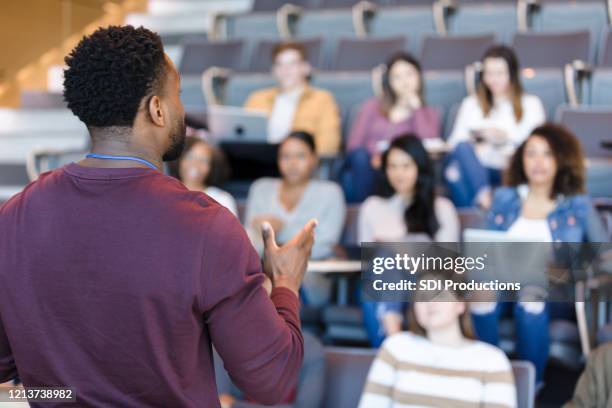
x: 411, y: 371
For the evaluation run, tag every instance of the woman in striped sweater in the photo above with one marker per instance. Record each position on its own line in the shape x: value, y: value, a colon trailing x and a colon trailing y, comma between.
x: 438, y: 363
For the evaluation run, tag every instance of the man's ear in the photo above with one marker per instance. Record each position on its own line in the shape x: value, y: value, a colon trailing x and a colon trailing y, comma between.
x: 156, y: 112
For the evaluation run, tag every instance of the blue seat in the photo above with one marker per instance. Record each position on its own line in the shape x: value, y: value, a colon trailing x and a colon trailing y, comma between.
x: 443, y: 89
x: 191, y: 95
x: 490, y: 17
x: 600, y: 87
x: 347, y: 372
x: 240, y: 86
x: 453, y: 52
x: 251, y: 26
x: 573, y: 16
x: 592, y: 124
x: 349, y: 88
x: 413, y: 21
x: 335, y: 24
x: 360, y: 54
x: 548, y: 85
x: 200, y: 55
x: 551, y: 50
x: 605, y: 51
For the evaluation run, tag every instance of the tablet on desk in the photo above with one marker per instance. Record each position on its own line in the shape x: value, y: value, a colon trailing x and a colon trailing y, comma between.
x: 235, y: 124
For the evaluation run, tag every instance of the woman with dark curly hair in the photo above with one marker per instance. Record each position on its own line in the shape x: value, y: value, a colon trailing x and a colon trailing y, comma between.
x: 544, y: 200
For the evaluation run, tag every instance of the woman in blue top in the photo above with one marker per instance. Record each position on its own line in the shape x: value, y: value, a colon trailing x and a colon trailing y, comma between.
x: 544, y: 200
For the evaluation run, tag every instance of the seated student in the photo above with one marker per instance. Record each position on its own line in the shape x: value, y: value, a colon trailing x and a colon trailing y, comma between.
x: 409, y: 207
x: 294, y: 105
x: 439, y: 363
x: 202, y: 167
x: 489, y: 126
x: 594, y: 388
x: 400, y: 109
x: 309, y: 392
x: 543, y: 201
x: 295, y: 198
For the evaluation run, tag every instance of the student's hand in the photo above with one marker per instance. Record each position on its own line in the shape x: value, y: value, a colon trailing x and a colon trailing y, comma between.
x: 226, y: 400
x: 287, y: 264
x: 276, y: 223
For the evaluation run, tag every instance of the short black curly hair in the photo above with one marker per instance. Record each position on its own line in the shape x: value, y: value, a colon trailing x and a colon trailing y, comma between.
x: 110, y: 72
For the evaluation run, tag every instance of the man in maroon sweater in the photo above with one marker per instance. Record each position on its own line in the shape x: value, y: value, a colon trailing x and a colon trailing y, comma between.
x: 115, y: 279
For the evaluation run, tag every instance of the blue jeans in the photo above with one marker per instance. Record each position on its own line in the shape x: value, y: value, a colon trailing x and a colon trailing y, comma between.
x: 532, y: 338
x: 357, y: 176
x: 466, y: 176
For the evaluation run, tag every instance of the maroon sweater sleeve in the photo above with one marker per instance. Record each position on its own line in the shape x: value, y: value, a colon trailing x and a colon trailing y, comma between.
x: 257, y: 337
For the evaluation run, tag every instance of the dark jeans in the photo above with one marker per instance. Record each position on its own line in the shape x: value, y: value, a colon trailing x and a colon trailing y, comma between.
x: 357, y: 176
x: 466, y: 176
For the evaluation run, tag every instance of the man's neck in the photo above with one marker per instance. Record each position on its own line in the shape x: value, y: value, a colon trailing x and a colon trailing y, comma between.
x: 121, y: 146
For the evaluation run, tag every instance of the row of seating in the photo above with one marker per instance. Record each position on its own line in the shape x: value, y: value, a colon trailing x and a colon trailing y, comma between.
x: 347, y: 370
x: 356, y: 54
x: 444, y: 90
x: 365, y: 20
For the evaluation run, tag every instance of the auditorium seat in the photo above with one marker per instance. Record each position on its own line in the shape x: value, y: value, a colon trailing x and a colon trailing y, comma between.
x: 600, y: 90
x: 248, y: 26
x: 572, y: 15
x: 484, y: 18
x: 548, y: 85
x: 390, y: 21
x: 592, y: 126
x: 348, y: 368
x: 172, y: 24
x: 238, y: 87
x: 201, y: 55
x: 453, y: 52
x: 348, y: 88
x: 443, y: 89
x: 333, y: 23
x: 605, y: 51
x: 346, y: 373
x: 31, y: 99
x: 261, y: 58
x: 274, y: 5
x: 191, y: 93
x: 353, y: 54
x: 551, y: 50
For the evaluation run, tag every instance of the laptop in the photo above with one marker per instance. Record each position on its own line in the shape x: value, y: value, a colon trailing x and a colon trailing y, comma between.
x: 235, y: 124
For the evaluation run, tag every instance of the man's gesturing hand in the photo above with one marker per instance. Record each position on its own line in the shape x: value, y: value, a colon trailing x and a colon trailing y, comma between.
x: 287, y: 264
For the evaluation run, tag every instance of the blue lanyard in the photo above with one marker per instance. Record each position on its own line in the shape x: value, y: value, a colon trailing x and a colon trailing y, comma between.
x: 110, y: 157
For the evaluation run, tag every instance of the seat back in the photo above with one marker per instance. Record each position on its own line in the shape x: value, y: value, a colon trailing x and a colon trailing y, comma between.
x: 240, y: 86
x: 353, y: 54
x: 390, y: 21
x: 42, y: 100
x: 601, y: 87
x: 605, y: 53
x: 546, y: 84
x: 473, y: 18
x: 572, y: 15
x: 453, y: 52
x: 592, y: 126
x: 559, y: 48
x: 347, y: 371
x: 199, y: 55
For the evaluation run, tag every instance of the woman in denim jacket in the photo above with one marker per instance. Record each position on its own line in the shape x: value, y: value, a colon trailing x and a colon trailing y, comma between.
x: 543, y: 201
